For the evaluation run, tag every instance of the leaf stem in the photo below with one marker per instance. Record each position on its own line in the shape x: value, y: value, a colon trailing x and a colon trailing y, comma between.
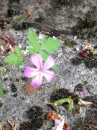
x: 4, y: 54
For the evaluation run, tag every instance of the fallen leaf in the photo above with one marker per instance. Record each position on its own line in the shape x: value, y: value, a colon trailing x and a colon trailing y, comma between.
x: 1, y: 127
x: 12, y: 125
x: 30, y: 89
x: 52, y: 105
x: 90, y: 127
x: 66, y: 126
x: 52, y: 116
x: 88, y: 46
x: 86, y: 103
x: 64, y: 100
x: 31, y: 10
x: 8, y: 39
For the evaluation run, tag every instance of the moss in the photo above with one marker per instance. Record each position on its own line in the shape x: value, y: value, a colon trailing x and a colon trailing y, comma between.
x: 85, y: 27
x: 5, y: 91
x: 35, y: 112
x: 58, y: 3
x: 17, y: 80
x: 89, y: 59
x: 19, y: 26
x: 5, y: 79
x: 76, y: 61
x: 91, y: 62
x: 25, y: 126
x: 37, y: 123
x: 13, y: 88
x: 79, y: 87
x: 82, y: 24
x: 1, y: 104
x: 69, y: 43
x: 11, y: 12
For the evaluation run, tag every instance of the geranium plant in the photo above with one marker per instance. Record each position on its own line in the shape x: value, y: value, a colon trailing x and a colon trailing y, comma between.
x: 40, y: 51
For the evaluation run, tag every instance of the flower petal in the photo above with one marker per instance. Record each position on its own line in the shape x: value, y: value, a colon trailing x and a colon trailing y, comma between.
x: 37, y: 60
x: 49, y: 75
x: 37, y: 81
x: 49, y: 63
x: 29, y: 72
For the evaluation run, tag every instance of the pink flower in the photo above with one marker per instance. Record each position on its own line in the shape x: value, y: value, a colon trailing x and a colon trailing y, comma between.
x: 40, y: 70
x: 81, y: 93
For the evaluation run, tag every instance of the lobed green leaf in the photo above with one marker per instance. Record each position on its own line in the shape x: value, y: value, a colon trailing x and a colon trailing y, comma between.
x: 33, y: 41
x: 15, y: 58
x: 50, y: 44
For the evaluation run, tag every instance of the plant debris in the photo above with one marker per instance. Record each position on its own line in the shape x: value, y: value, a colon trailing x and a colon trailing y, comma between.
x: 88, y: 55
x: 85, y: 103
x: 30, y: 89
x: 52, y: 116
x: 13, y: 126
x: 1, y: 126
x: 59, y: 121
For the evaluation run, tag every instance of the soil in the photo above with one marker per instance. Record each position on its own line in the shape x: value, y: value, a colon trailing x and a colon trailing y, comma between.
x: 64, y: 19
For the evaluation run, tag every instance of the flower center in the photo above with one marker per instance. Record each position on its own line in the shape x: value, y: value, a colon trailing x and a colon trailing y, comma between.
x: 41, y: 70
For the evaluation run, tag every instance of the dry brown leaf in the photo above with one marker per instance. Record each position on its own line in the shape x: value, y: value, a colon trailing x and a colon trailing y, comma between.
x: 53, y: 106
x: 90, y: 127
x: 1, y: 126
x: 52, y: 116
x: 88, y: 46
x: 31, y: 10
x: 86, y: 103
x: 30, y: 89
x: 66, y: 126
x: 13, y: 126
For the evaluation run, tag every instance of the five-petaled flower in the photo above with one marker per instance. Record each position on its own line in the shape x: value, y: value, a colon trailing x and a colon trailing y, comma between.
x: 40, y: 70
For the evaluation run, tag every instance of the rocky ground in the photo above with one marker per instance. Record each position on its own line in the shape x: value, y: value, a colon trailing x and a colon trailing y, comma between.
x: 68, y: 19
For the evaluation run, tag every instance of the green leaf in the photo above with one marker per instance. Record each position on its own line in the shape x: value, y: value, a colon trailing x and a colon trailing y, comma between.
x: 64, y: 100
x: 19, y: 62
x: 18, y: 51
x: 33, y: 41
x: 31, y: 50
x: 14, y: 59
x: 50, y: 44
x: 54, y: 67
x: 44, y: 55
x: 11, y: 59
x: 0, y: 78
x: 1, y: 91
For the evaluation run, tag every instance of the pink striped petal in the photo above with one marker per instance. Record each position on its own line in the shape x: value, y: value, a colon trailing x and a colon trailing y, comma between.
x: 30, y: 72
x: 49, y: 75
x: 37, y: 60
x: 49, y: 63
x: 37, y: 81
